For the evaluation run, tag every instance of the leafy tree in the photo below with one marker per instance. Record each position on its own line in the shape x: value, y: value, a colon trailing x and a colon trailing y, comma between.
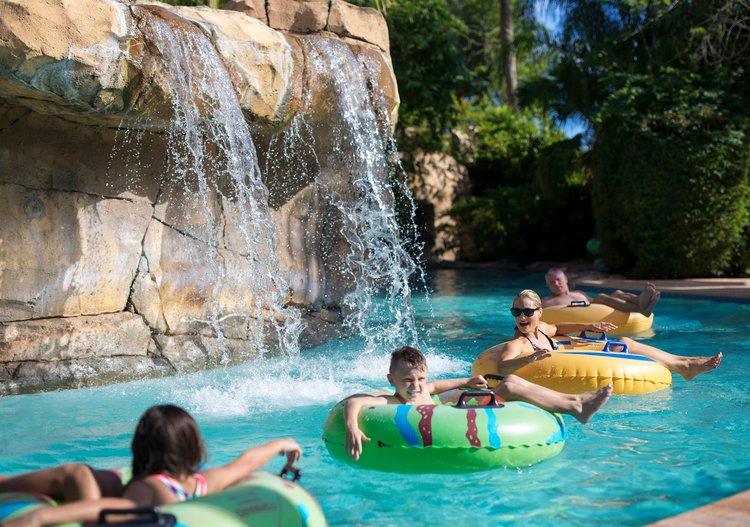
x: 672, y: 189
x: 662, y: 85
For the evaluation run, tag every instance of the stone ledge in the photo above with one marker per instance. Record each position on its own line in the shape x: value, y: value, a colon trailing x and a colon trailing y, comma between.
x: 341, y: 18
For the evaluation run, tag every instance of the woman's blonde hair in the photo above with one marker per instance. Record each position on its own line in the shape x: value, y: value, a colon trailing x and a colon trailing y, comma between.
x: 531, y: 295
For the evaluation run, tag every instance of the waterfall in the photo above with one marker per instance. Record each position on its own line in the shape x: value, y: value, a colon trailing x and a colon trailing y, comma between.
x: 211, y: 156
x: 354, y: 162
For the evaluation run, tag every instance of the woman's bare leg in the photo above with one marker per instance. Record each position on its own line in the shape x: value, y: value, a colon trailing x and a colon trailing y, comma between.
x: 688, y: 367
x: 582, y: 406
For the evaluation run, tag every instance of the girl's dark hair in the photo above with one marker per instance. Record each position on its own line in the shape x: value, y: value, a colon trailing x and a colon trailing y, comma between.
x: 167, y: 440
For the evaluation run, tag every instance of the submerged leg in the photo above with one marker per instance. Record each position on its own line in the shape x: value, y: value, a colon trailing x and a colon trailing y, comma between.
x: 582, y: 406
x: 688, y: 367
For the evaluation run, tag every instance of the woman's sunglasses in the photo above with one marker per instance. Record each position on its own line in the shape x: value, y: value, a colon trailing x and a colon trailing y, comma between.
x: 528, y: 311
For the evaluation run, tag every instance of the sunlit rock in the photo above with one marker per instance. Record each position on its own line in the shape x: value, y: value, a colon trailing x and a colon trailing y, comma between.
x: 126, y: 246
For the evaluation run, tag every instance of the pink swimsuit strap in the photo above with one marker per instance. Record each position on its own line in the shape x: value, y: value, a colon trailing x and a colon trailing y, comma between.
x: 179, y: 491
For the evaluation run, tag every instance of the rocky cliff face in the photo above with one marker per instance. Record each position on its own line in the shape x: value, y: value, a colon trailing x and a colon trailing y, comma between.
x: 116, y: 257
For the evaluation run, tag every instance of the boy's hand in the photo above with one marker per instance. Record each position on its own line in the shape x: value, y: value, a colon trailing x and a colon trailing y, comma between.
x: 353, y: 442
x: 477, y: 382
x: 291, y: 449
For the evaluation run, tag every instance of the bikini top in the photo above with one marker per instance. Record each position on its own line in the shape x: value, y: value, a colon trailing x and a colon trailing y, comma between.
x: 201, y: 489
x: 552, y: 343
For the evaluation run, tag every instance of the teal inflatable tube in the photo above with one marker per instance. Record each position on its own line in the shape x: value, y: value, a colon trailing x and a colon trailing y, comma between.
x: 262, y: 500
x: 443, y: 438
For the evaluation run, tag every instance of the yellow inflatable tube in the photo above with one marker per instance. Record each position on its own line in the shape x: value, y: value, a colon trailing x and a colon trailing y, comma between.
x: 582, y: 370
x: 625, y: 322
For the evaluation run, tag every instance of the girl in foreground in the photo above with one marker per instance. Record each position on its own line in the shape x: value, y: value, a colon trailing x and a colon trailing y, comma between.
x: 168, y: 451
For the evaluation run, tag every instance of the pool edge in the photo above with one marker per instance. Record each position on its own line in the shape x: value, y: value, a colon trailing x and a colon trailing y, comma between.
x: 733, y: 511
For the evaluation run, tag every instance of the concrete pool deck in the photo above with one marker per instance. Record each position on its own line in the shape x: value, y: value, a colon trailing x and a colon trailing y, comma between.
x: 720, y: 289
x: 733, y: 511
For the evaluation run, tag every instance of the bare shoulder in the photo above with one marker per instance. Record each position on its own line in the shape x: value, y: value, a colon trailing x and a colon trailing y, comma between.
x: 371, y: 400
x: 549, y: 329
x: 508, y: 349
x: 147, y: 492
x: 553, y: 301
x: 579, y: 295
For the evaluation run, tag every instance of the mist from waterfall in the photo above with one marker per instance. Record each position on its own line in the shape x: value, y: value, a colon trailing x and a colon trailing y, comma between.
x: 355, y: 162
x: 211, y: 155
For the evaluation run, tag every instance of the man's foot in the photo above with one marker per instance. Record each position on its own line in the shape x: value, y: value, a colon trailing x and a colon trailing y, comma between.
x: 591, y: 402
x: 648, y: 299
x: 691, y: 367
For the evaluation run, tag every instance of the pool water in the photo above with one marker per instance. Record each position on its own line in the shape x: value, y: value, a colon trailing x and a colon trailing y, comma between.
x: 642, y: 458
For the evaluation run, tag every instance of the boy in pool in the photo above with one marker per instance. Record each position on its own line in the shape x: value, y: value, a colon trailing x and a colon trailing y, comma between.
x: 408, y: 375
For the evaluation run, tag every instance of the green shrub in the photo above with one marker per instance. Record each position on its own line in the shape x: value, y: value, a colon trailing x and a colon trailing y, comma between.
x: 670, y: 191
x: 519, y: 223
x: 501, y: 146
x: 531, y: 196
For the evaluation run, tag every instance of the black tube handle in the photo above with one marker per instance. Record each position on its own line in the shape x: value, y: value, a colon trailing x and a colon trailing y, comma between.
x: 477, y: 393
x: 144, y: 516
x: 287, y: 470
x: 578, y: 303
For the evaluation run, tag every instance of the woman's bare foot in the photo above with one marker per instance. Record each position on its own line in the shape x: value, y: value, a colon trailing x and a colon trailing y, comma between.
x: 591, y: 402
x: 690, y: 367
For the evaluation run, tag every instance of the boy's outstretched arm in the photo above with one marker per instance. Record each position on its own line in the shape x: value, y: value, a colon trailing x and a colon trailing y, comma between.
x: 444, y: 385
x: 249, y: 461
x: 355, y: 436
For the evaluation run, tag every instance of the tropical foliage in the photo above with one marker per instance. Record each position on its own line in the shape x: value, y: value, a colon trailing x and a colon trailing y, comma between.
x: 659, y: 87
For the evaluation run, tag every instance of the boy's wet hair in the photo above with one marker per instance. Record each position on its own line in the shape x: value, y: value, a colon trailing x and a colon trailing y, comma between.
x: 167, y: 440
x: 412, y: 357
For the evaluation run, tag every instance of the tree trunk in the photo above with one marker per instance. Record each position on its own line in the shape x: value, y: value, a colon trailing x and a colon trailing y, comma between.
x: 509, y: 53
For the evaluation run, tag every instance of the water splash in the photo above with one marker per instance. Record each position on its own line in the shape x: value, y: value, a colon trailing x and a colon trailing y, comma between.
x: 212, y: 161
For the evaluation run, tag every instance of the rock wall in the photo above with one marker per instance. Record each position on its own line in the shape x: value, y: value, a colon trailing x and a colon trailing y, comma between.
x: 98, y: 275
x: 438, y: 182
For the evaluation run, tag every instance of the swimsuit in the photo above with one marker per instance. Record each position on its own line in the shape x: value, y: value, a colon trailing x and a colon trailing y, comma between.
x: 552, y: 343
x: 201, y: 489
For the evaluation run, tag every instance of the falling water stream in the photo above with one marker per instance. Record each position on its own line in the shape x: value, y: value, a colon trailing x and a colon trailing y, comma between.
x: 211, y: 155
x: 355, y: 164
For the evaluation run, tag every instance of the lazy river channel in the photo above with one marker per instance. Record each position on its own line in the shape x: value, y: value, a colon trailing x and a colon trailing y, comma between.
x: 642, y: 458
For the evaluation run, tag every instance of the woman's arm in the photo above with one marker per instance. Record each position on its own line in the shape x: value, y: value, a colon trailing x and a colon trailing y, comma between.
x: 514, y: 356
x: 248, y: 462
x: 566, y: 328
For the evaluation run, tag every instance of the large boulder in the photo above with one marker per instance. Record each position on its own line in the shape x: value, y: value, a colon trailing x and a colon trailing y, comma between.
x: 115, y: 261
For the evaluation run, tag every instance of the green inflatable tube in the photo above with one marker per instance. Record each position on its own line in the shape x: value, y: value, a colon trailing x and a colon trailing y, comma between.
x: 443, y: 438
x: 262, y: 500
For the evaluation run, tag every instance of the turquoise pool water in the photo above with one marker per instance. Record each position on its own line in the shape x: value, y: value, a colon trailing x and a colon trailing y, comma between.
x: 642, y: 458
